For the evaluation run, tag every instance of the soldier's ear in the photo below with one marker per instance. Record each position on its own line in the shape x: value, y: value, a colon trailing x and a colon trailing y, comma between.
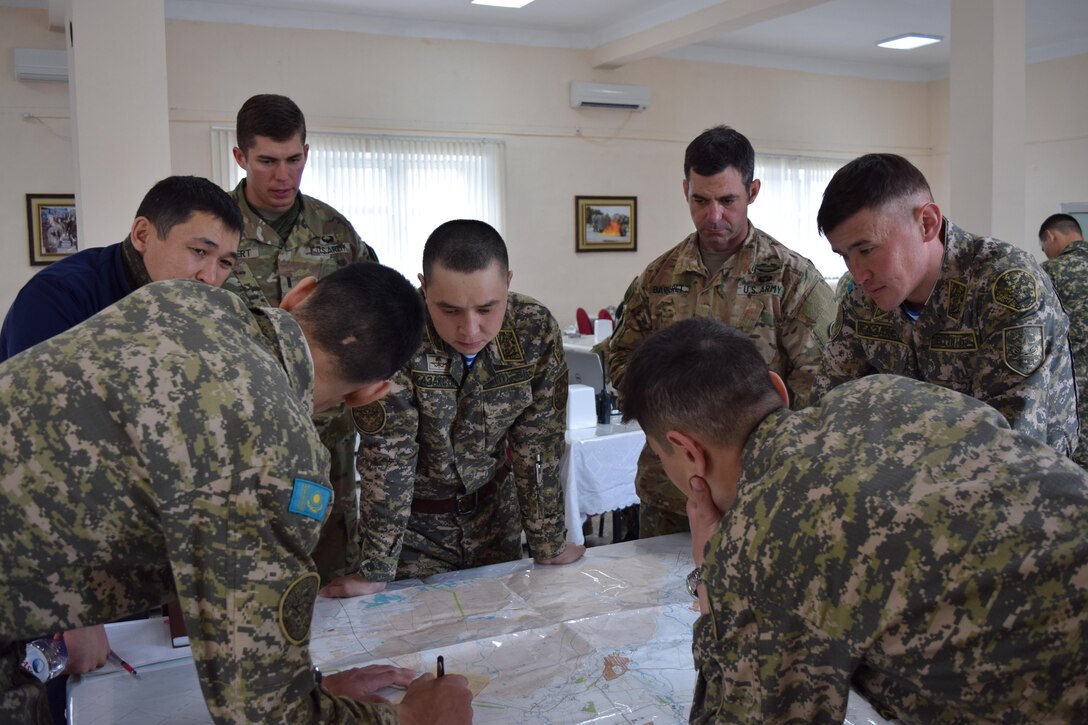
x: 141, y: 232
x: 298, y: 293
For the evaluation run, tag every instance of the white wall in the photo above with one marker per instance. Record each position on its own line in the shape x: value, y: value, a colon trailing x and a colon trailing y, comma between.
x: 353, y: 81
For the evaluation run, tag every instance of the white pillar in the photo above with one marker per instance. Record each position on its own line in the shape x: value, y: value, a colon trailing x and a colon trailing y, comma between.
x: 120, y: 115
x: 987, y: 117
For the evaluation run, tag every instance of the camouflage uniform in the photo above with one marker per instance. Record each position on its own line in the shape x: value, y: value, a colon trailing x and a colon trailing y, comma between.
x: 928, y: 555
x: 764, y: 290
x: 443, y: 433
x: 185, y: 458
x: 1069, y: 274
x: 992, y: 328
x: 321, y: 242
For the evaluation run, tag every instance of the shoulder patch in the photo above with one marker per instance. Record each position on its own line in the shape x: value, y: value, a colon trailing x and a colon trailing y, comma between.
x: 1023, y: 348
x: 559, y: 394
x: 297, y: 608
x: 369, y: 418
x: 310, y: 499
x: 1015, y: 289
x: 835, y: 327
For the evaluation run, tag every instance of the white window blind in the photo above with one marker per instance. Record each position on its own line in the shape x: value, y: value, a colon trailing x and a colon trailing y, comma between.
x: 790, y: 193
x: 393, y: 189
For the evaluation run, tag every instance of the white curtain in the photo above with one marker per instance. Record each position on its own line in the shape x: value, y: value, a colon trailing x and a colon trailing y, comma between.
x: 393, y: 189
x: 789, y: 197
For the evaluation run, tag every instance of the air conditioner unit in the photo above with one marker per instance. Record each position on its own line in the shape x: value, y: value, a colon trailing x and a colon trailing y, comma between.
x: 41, y: 64
x: 609, y: 95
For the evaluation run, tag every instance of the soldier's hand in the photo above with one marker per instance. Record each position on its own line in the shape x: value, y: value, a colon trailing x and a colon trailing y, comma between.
x: 360, y: 682
x: 351, y: 586
x: 88, y: 649
x: 572, y: 552
x: 703, y: 516
x: 441, y: 700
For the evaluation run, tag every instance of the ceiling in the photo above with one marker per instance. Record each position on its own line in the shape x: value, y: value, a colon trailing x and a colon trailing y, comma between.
x: 822, y: 36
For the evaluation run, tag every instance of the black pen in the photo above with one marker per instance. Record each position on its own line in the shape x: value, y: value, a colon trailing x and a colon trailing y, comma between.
x: 441, y: 666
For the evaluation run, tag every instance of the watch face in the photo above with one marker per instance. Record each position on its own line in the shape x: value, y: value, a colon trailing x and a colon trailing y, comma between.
x: 693, y: 579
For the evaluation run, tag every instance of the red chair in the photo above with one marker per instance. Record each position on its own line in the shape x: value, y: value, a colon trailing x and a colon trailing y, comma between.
x: 585, y: 326
x: 605, y: 315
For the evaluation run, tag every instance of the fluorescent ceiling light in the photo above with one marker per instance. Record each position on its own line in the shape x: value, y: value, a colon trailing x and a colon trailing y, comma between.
x: 503, y: 3
x: 910, y: 41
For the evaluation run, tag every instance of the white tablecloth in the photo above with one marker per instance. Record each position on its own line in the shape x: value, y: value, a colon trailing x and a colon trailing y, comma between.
x: 598, y: 472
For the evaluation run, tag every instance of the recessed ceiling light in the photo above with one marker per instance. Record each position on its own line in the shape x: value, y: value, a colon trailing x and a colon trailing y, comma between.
x: 910, y: 41
x: 503, y: 3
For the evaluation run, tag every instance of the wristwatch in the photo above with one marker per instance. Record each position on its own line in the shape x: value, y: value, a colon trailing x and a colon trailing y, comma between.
x: 693, y: 580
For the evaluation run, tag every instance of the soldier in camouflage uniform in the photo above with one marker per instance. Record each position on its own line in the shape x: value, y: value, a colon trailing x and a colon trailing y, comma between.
x: 289, y: 236
x: 464, y: 453
x: 927, y: 555
x: 935, y: 303
x: 1067, y: 265
x: 186, y: 458
x: 731, y: 271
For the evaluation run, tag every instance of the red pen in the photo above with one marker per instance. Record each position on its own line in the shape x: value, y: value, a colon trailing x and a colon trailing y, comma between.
x: 116, y: 659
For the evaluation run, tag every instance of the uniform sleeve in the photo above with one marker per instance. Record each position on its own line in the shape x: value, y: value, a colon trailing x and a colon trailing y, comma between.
x: 1023, y: 366
x: 844, y: 358
x: 387, y: 458
x: 804, y: 337
x: 247, y: 585
x: 539, y: 431
x: 635, y: 326
x: 361, y: 251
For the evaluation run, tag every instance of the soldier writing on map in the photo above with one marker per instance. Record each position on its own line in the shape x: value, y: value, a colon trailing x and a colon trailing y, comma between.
x: 932, y: 302
x: 927, y: 555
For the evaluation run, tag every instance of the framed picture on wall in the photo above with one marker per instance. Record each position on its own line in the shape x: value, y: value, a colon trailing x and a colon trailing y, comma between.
x: 604, y: 224
x: 51, y: 225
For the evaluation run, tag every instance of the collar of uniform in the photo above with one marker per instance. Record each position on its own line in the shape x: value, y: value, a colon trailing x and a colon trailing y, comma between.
x: 691, y: 260
x: 136, y: 273
x: 285, y: 337
x: 1075, y: 246
x: 256, y: 228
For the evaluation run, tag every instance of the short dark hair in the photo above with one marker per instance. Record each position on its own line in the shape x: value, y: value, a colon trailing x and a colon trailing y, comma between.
x: 698, y: 375
x: 716, y: 149
x: 175, y: 199
x: 464, y: 245
x: 868, y: 182
x: 1064, y: 223
x: 268, y: 114
x: 367, y: 317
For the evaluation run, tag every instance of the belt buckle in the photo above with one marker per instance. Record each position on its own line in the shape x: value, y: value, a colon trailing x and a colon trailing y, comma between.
x: 474, y: 497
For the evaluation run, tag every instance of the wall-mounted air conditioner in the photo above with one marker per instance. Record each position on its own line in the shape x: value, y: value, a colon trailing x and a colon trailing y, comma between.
x: 609, y: 95
x: 41, y: 64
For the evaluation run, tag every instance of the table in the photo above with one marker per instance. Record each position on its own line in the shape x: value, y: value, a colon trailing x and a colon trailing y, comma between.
x: 605, y: 639
x: 580, y: 343
x: 598, y: 472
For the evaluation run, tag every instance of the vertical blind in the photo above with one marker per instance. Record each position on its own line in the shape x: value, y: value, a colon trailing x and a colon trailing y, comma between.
x: 393, y: 189
x: 789, y: 197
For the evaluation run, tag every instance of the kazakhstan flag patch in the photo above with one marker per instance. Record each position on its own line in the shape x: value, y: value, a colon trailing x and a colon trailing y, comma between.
x: 310, y: 499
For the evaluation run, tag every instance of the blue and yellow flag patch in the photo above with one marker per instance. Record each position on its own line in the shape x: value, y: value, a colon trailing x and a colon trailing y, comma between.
x: 310, y: 499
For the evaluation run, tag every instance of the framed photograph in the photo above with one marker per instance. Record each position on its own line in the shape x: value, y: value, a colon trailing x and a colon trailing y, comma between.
x: 604, y: 224
x: 51, y: 224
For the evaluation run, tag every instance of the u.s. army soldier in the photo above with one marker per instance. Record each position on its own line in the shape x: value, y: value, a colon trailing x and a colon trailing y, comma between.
x: 897, y: 537
x: 1062, y: 241
x: 935, y: 303
x: 464, y: 453
x: 287, y: 237
x: 730, y: 271
x: 186, y: 457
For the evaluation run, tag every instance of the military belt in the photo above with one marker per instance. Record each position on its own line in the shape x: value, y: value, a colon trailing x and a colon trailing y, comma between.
x: 462, y: 505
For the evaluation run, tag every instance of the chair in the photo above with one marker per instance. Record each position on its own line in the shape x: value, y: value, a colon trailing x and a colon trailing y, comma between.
x: 605, y: 315
x: 585, y: 326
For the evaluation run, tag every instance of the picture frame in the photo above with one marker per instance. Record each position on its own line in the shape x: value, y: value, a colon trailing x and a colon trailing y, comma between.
x: 605, y: 224
x: 51, y: 227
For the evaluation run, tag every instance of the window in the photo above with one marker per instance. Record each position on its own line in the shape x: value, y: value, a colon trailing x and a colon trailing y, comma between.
x: 393, y: 189
x: 789, y: 198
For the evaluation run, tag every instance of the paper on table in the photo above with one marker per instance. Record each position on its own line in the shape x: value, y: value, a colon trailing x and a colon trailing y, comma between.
x: 142, y: 642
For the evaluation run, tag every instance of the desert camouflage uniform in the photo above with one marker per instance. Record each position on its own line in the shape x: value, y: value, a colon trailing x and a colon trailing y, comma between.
x: 928, y: 554
x: 765, y: 290
x: 992, y: 328
x: 443, y: 432
x: 185, y: 458
x: 321, y: 242
x: 1069, y: 274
